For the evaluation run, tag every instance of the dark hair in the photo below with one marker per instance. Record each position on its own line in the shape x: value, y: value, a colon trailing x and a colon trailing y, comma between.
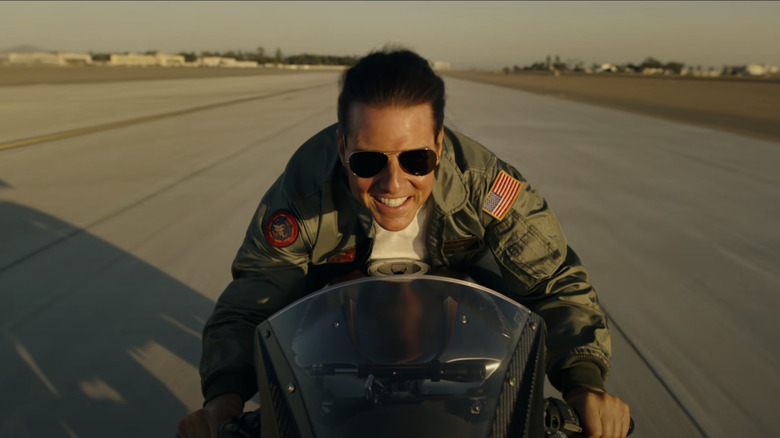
x: 391, y: 78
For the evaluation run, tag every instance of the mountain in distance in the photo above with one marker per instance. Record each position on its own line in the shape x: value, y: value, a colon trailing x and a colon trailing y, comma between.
x: 23, y: 48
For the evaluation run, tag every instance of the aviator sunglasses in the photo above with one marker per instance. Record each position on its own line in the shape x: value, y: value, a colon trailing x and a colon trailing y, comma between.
x: 366, y: 164
x: 418, y: 162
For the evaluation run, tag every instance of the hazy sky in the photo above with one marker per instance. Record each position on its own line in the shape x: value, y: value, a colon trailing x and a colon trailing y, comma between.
x: 468, y: 34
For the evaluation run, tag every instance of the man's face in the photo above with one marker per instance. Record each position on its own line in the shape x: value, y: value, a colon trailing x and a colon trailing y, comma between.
x: 393, y: 196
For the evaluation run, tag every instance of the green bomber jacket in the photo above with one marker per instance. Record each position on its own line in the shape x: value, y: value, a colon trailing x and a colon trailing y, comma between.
x: 326, y: 233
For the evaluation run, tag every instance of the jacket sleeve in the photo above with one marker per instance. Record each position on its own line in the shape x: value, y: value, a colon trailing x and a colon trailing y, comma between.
x: 548, y: 277
x: 266, y: 278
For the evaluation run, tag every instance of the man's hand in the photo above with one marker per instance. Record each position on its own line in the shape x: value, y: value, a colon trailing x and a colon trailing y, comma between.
x: 602, y: 415
x: 205, y: 422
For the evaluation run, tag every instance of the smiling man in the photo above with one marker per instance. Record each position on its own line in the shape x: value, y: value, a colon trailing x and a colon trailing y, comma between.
x: 394, y: 150
x: 390, y: 189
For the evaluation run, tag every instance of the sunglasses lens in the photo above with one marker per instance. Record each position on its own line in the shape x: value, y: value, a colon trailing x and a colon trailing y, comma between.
x: 418, y: 161
x: 366, y: 164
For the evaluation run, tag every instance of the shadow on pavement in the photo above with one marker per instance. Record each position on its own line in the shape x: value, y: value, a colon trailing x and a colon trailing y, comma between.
x: 94, y: 341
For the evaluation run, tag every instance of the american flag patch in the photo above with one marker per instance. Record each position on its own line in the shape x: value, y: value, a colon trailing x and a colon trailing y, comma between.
x: 502, y: 195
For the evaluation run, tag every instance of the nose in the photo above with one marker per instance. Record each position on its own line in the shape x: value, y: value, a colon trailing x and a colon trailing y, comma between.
x: 392, y: 176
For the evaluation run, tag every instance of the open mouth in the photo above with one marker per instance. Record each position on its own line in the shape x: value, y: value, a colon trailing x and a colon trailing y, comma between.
x: 391, y: 202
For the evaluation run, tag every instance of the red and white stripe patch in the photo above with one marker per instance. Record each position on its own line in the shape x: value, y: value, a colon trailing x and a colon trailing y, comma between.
x: 502, y: 195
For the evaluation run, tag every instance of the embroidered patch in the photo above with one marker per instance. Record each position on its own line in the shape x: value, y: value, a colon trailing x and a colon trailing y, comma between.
x: 502, y: 195
x: 460, y: 245
x: 281, y: 229
x: 346, y: 256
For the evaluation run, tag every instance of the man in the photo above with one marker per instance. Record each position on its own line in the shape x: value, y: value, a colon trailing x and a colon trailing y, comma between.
x: 390, y: 182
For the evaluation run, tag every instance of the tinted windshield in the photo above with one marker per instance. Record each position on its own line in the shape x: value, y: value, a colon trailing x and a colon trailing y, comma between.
x: 404, y: 355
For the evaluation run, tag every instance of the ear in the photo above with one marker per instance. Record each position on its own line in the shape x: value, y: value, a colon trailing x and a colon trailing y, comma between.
x: 342, y: 147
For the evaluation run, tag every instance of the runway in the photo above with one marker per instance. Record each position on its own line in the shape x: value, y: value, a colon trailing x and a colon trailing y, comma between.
x: 117, y: 234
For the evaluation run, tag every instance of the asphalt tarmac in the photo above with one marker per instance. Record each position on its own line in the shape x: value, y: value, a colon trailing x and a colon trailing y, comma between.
x: 743, y: 105
x: 116, y: 240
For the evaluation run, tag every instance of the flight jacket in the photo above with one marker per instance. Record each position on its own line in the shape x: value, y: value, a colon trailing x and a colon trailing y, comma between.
x: 328, y: 234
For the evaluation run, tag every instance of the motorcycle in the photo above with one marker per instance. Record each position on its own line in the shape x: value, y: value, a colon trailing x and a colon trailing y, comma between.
x: 403, y: 356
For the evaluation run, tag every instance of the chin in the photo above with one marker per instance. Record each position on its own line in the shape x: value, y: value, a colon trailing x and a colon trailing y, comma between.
x: 393, y: 224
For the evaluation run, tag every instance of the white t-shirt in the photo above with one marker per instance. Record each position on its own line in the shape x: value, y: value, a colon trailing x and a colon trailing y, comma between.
x: 408, y: 243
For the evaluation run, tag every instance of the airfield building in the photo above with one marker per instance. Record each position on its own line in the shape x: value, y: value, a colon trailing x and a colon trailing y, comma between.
x: 135, y: 60
x: 45, y: 58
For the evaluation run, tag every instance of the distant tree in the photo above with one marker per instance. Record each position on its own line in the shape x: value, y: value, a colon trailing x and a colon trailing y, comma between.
x: 547, y: 63
x: 100, y: 56
x: 506, y: 70
x: 311, y: 59
x: 260, y: 54
x: 301, y: 59
x: 348, y: 60
x: 676, y: 67
x: 634, y: 68
x: 150, y: 52
x: 278, y: 57
x: 651, y: 62
x: 189, y: 56
x: 558, y: 65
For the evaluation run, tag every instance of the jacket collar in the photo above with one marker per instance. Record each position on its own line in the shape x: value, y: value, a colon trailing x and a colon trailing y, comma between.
x: 449, y: 189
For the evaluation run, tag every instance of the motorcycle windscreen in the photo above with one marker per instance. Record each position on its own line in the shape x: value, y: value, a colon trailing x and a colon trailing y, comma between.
x: 400, y: 356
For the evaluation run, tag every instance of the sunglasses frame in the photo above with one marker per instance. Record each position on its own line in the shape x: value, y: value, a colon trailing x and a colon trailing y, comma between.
x: 388, y: 155
x: 393, y: 154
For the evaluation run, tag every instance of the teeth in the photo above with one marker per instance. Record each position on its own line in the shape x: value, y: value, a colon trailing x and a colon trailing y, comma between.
x: 392, y: 202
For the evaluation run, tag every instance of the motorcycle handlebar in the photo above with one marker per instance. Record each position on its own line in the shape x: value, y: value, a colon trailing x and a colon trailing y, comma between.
x: 561, y: 420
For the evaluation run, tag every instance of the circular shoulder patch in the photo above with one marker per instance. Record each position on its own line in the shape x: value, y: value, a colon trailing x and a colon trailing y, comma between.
x: 281, y: 229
